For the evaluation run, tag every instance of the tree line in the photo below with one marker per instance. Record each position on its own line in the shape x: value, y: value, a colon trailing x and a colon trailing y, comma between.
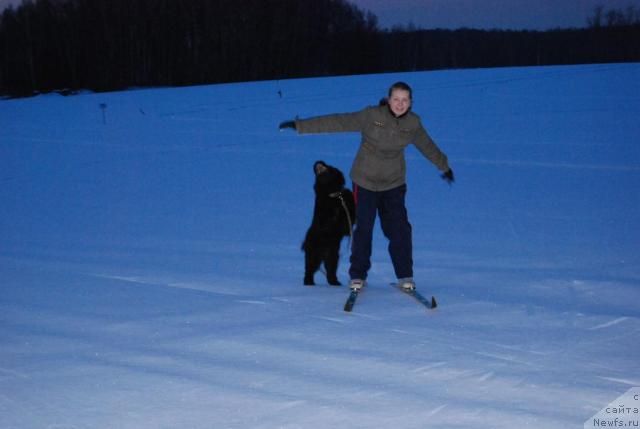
x: 102, y: 45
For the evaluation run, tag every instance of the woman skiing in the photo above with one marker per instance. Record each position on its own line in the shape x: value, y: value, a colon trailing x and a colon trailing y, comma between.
x: 379, y: 176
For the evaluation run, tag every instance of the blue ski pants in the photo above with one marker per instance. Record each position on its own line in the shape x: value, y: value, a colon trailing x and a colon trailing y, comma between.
x: 390, y: 206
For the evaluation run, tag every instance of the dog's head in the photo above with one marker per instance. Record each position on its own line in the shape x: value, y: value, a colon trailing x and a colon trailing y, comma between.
x: 328, y: 179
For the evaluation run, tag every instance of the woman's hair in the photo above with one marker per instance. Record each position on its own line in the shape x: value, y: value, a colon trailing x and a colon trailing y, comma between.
x: 403, y: 86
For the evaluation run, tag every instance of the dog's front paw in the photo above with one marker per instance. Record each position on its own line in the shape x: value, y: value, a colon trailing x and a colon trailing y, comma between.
x: 309, y: 281
x: 334, y: 282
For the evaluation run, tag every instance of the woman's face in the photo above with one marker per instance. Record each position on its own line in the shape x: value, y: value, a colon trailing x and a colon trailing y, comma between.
x: 399, y: 101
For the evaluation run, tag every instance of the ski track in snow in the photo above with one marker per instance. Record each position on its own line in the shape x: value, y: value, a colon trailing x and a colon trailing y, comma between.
x: 630, y: 382
x: 609, y: 324
x: 436, y: 410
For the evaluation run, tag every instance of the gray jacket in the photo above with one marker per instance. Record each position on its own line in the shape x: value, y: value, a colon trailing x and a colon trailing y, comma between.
x: 379, y: 164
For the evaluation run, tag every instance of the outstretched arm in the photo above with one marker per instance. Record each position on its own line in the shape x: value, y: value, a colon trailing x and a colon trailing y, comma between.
x: 432, y: 152
x: 428, y: 148
x: 335, y: 123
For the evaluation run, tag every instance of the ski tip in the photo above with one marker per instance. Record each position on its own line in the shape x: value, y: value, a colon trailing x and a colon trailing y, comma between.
x: 434, y: 304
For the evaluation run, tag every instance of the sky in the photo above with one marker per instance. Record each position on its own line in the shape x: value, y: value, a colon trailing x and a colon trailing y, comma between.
x: 502, y: 14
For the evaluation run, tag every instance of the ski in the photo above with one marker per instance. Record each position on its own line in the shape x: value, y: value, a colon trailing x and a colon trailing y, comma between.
x: 348, y: 306
x: 429, y: 303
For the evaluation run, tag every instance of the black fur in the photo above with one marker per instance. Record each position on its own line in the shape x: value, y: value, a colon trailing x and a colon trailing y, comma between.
x: 329, y: 225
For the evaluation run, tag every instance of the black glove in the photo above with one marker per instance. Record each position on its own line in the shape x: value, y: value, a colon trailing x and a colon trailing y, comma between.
x: 448, y: 176
x: 287, y: 124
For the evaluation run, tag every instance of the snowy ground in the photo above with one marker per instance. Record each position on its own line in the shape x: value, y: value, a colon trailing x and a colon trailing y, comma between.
x: 151, y: 277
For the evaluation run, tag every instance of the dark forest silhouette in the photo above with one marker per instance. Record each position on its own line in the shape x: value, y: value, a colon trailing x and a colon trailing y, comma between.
x: 104, y: 45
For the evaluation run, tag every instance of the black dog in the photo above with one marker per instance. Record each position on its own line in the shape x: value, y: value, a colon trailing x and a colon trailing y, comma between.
x: 333, y: 218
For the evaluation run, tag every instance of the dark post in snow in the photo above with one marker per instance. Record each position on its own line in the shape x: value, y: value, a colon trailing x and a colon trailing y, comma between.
x: 103, y: 107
